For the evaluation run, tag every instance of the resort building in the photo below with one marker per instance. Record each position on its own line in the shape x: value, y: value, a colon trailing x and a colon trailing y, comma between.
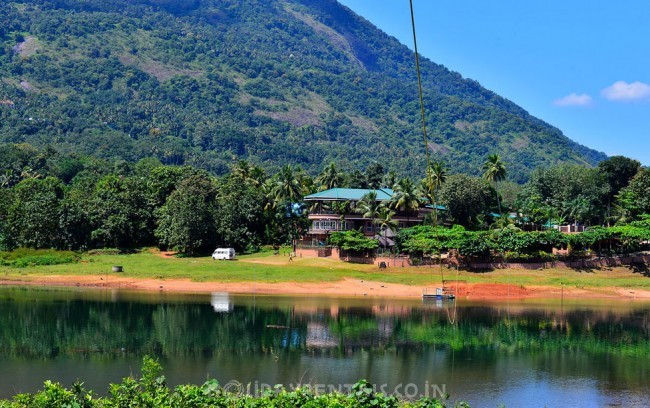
x: 337, y: 209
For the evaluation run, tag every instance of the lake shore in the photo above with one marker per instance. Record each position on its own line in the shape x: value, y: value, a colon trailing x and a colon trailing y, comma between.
x: 347, y: 287
x: 277, y: 274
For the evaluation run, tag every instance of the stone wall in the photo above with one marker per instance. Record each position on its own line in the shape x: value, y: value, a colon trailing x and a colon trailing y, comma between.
x: 587, y: 263
x: 403, y: 261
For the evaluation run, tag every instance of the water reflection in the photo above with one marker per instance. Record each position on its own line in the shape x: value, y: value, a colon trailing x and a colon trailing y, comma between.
x: 220, y: 302
x: 493, y: 352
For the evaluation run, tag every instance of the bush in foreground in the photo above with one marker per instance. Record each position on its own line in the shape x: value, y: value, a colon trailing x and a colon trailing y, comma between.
x: 151, y: 391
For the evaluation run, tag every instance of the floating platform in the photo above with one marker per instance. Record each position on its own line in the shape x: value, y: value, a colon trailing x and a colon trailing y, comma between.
x: 440, y: 293
x: 432, y: 296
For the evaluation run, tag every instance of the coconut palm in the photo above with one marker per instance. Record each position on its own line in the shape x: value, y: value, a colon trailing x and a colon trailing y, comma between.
x: 577, y: 210
x: 494, y: 170
x: 405, y: 197
x: 369, y: 206
x: 436, y: 176
x: 390, y: 179
x: 385, y: 222
x: 257, y: 176
x: 242, y: 169
x: 331, y: 177
x: 249, y: 173
x: 287, y: 186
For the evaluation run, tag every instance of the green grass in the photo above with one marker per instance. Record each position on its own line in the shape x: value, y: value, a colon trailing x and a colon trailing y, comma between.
x: 268, y: 267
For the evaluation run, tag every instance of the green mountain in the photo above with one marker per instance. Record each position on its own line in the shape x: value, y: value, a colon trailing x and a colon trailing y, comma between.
x: 207, y: 82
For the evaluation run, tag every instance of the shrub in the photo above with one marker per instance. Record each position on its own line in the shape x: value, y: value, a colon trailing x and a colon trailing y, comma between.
x: 24, y: 257
x: 151, y: 391
x: 104, y: 251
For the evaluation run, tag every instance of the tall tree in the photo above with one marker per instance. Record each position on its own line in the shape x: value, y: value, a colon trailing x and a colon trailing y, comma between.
x: 239, y: 214
x: 122, y: 216
x: 405, y: 197
x: 356, y: 179
x: 331, y: 177
x: 617, y: 172
x: 375, y: 175
x: 390, y: 179
x: 494, y: 170
x: 287, y: 189
x: 186, y: 222
x: 466, y: 198
x: 287, y: 186
x: 369, y: 206
x: 33, y: 217
x: 386, y: 222
x: 634, y: 200
x: 436, y: 176
x: 559, y: 185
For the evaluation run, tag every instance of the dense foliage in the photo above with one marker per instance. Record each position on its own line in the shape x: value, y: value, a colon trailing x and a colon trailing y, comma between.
x: 151, y: 390
x: 207, y: 82
x: 116, y: 205
x: 512, y: 244
x: 353, y: 241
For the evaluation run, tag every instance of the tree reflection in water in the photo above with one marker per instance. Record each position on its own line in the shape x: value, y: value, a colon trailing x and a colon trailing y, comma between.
x: 604, y: 342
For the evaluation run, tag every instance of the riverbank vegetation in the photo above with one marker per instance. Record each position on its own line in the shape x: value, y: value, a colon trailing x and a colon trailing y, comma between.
x: 515, y: 245
x: 151, y: 390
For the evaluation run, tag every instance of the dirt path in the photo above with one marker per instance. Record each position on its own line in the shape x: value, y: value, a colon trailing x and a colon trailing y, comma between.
x: 345, y: 287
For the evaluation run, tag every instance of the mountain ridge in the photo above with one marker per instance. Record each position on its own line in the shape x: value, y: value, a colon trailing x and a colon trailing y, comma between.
x: 209, y: 82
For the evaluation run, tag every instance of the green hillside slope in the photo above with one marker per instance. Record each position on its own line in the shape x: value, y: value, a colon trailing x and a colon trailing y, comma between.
x: 206, y: 82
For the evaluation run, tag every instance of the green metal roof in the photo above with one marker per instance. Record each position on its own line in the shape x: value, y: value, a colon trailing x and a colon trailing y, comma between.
x: 349, y: 194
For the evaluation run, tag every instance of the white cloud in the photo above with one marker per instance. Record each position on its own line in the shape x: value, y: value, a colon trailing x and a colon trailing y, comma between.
x: 622, y: 91
x: 574, y: 100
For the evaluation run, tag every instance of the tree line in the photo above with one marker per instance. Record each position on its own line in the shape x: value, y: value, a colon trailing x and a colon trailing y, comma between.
x: 71, y: 201
x: 51, y: 200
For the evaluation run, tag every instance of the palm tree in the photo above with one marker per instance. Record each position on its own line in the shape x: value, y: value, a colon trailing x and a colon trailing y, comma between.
x: 405, y: 197
x: 577, y: 210
x: 385, y: 221
x: 242, y: 169
x: 331, y: 177
x: 436, y: 176
x: 287, y: 188
x: 257, y: 176
x: 494, y: 170
x: 369, y: 206
x: 249, y: 173
x: 390, y: 179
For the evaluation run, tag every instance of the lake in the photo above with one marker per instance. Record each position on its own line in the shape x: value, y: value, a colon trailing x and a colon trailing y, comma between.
x: 524, y: 353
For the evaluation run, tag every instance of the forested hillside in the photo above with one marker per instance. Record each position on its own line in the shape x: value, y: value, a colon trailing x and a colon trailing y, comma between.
x: 209, y: 82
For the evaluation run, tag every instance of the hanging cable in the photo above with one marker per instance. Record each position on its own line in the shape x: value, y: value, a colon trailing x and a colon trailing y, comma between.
x: 424, y: 128
x: 417, y: 67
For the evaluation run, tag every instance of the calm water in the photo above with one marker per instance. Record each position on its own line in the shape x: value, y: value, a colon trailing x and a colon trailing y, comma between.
x: 518, y: 354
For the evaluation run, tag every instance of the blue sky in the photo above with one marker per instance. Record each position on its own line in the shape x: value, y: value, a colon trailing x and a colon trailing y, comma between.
x: 582, y: 66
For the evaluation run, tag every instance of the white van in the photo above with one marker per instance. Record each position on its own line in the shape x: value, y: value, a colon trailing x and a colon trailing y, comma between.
x: 223, y: 253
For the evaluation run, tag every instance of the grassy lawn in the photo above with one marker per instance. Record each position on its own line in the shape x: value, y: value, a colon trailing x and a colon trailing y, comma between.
x: 268, y: 267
